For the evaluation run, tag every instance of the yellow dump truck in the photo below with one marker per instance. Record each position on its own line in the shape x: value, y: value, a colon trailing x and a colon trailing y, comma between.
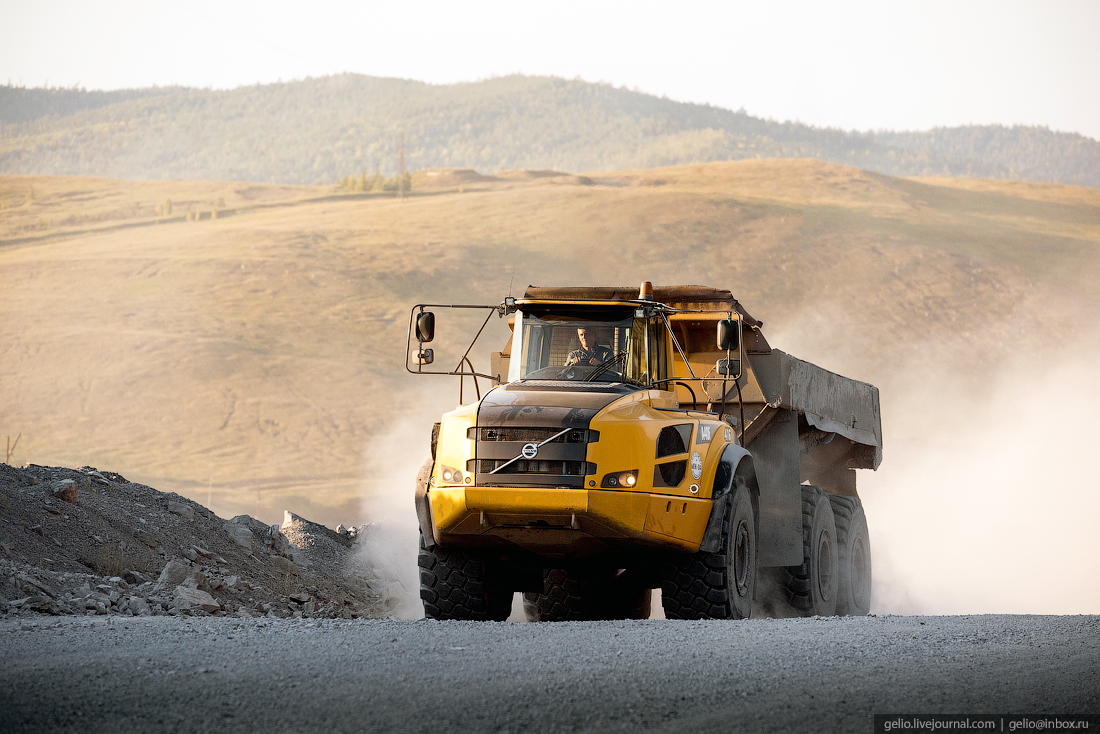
x: 637, y: 439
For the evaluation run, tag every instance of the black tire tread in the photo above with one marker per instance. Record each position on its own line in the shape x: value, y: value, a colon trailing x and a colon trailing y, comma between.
x: 796, y: 579
x: 845, y: 512
x: 453, y: 585
x: 561, y: 600
x: 695, y: 586
x: 568, y: 599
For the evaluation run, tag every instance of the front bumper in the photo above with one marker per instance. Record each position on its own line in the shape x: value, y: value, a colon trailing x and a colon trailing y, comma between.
x: 566, y: 522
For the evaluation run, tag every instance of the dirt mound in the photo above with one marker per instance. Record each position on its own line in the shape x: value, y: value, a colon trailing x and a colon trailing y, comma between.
x: 536, y: 173
x: 448, y: 177
x: 90, y: 542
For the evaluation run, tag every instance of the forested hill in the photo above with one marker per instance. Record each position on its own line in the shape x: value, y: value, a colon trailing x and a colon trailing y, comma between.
x: 322, y: 129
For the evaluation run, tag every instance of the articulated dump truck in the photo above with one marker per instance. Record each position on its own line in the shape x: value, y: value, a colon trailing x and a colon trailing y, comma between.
x: 636, y: 440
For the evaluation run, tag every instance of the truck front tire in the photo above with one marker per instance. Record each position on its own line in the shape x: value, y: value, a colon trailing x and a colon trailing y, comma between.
x: 854, y: 553
x: 458, y: 584
x: 717, y: 585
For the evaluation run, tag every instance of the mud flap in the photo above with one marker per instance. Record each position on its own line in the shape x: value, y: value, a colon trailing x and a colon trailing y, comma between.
x: 420, y: 498
x: 775, y: 456
x: 722, y: 492
x: 712, y: 538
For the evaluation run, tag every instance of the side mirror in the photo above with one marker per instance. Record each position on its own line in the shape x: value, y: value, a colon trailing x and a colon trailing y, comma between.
x: 728, y: 367
x: 425, y: 327
x: 425, y: 356
x: 727, y: 335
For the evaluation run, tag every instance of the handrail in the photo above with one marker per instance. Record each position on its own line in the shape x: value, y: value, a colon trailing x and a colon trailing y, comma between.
x: 694, y: 400
x: 462, y: 378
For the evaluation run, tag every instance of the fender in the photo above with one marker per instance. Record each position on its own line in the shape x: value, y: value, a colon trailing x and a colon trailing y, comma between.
x: 734, y: 469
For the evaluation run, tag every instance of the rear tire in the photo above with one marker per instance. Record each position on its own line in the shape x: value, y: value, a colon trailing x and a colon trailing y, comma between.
x: 717, y: 585
x: 566, y: 598
x: 459, y: 584
x: 854, y: 552
x: 812, y: 588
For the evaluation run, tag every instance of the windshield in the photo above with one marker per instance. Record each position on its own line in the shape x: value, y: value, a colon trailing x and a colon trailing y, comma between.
x: 606, y: 345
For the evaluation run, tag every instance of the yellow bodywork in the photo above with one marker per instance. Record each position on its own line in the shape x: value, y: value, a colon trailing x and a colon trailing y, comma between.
x: 560, y: 521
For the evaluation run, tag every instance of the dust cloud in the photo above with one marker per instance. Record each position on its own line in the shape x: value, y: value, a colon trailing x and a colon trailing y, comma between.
x: 388, y: 549
x: 989, y: 505
x: 391, y: 459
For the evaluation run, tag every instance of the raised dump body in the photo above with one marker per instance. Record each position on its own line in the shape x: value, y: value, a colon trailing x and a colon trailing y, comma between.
x: 640, y: 440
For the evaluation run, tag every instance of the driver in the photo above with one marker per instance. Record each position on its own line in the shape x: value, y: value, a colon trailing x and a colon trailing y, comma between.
x: 590, y: 353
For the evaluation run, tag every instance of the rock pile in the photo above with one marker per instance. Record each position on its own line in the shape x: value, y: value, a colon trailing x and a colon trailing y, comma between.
x: 89, y: 542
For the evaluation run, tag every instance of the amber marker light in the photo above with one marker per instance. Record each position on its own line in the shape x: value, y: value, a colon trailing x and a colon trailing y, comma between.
x: 626, y: 479
x: 645, y: 293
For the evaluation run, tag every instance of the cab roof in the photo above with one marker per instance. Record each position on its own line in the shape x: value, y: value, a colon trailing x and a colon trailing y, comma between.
x: 695, y: 297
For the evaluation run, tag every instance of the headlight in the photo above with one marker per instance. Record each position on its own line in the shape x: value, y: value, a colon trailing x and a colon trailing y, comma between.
x: 625, y: 479
x: 450, y: 475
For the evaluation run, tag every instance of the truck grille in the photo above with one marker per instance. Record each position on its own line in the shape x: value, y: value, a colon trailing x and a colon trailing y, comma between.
x: 531, y: 435
x: 535, y: 466
x: 559, y: 462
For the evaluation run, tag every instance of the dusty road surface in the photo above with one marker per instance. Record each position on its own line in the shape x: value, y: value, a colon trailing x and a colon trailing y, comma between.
x: 92, y: 674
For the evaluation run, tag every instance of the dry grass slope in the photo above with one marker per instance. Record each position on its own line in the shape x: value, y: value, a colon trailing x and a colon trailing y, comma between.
x: 248, y: 361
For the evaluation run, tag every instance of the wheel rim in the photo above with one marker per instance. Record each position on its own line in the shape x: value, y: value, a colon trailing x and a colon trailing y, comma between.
x: 824, y: 564
x: 742, y: 550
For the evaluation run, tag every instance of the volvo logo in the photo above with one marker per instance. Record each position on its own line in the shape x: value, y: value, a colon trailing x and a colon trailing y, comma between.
x: 696, y: 465
x: 530, y: 450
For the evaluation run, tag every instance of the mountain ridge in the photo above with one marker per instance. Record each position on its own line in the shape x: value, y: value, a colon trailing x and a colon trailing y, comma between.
x: 321, y: 129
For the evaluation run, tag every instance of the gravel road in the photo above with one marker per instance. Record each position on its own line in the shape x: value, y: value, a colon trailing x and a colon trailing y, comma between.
x: 270, y: 675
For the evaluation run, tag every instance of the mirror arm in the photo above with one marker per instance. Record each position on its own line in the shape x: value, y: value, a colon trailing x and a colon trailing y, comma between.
x: 472, y: 343
x: 466, y: 359
x: 677, y: 343
x: 420, y: 344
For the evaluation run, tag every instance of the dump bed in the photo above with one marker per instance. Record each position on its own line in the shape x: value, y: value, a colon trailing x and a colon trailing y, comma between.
x: 829, y: 402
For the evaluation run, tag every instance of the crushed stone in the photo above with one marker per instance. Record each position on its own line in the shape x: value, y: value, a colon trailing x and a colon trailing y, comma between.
x: 89, y: 542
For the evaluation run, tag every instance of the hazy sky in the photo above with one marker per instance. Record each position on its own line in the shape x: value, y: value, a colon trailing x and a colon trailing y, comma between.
x: 854, y: 65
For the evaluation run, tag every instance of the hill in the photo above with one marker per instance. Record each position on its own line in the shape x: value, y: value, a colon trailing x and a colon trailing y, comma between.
x: 318, y: 130
x: 255, y: 361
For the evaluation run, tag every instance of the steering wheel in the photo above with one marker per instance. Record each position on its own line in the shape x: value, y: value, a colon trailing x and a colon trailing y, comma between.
x: 606, y: 366
x: 566, y: 372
